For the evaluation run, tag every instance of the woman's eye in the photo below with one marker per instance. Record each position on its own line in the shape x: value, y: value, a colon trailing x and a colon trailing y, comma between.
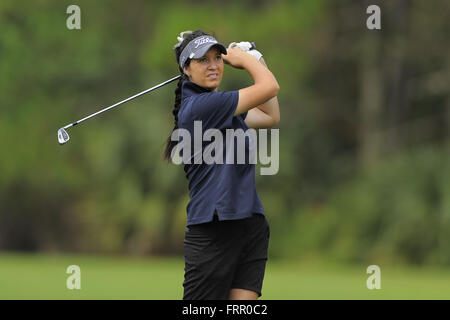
x: 219, y: 58
x: 203, y: 60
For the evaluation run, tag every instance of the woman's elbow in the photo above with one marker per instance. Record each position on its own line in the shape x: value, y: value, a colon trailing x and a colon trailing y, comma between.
x: 275, y: 89
x: 275, y: 120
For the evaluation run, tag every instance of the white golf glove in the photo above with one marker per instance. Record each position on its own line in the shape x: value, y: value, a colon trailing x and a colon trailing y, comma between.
x: 245, y: 46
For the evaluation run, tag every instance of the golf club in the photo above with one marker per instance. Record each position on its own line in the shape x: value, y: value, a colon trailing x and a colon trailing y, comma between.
x: 63, y: 136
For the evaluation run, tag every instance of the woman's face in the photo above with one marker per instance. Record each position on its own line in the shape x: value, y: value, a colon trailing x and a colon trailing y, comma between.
x: 206, y: 71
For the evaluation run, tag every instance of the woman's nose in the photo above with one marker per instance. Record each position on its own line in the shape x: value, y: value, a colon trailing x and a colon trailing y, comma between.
x: 213, y: 65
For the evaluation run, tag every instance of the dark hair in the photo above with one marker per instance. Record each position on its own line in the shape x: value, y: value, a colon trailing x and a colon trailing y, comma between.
x: 178, y: 49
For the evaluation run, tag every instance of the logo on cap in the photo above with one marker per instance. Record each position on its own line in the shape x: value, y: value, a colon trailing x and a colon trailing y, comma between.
x: 204, y: 40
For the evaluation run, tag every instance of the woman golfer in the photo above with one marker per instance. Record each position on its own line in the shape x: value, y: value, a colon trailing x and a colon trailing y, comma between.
x: 227, y: 234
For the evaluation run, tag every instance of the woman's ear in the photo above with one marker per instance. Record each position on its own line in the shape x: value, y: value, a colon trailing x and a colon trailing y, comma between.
x: 186, y: 71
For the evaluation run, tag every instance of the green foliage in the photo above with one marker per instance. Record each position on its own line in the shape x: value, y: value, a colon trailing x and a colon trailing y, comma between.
x: 395, y: 211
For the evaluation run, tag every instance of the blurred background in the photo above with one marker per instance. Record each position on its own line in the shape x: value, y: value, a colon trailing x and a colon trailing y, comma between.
x: 364, y: 145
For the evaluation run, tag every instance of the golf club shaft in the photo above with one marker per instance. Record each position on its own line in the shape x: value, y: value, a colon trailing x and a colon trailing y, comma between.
x: 123, y: 101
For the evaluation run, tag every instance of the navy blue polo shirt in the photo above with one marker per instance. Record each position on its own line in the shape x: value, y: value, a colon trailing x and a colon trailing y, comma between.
x: 226, y: 188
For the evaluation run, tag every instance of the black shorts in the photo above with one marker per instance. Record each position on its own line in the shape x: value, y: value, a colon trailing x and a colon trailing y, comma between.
x: 222, y: 255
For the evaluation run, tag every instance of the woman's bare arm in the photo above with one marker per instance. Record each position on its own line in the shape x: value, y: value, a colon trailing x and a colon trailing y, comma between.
x: 265, y: 115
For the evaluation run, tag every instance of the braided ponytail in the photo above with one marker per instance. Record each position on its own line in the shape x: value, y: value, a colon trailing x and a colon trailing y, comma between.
x: 178, y: 48
x: 176, y: 108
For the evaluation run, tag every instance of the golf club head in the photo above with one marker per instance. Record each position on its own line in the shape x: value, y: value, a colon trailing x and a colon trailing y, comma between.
x: 63, y: 136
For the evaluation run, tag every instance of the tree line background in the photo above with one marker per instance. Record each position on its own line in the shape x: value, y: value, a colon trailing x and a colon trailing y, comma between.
x: 364, y: 132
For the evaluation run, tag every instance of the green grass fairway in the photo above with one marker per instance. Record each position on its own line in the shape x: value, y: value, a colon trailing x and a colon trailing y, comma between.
x: 29, y: 276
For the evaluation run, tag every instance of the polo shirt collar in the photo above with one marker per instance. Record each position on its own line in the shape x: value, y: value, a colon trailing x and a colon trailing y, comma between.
x: 190, y: 88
